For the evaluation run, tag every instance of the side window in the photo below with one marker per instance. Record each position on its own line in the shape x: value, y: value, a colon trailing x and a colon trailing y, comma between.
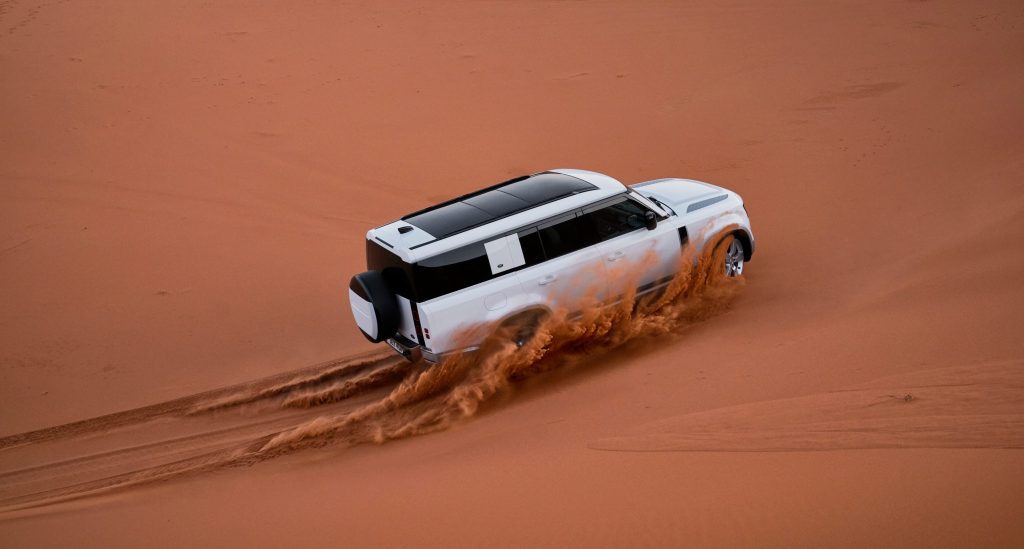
x: 619, y: 218
x: 470, y: 265
x: 533, y: 252
x: 566, y: 236
x: 452, y: 271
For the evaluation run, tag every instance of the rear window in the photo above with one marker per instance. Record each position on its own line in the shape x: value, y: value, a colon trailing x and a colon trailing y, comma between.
x: 451, y: 271
x: 397, y: 273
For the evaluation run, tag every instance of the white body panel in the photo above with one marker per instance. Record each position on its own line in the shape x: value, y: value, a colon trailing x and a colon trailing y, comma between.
x: 362, y: 311
x: 702, y: 224
x: 568, y: 281
x: 504, y: 254
x: 448, y: 318
x: 641, y: 258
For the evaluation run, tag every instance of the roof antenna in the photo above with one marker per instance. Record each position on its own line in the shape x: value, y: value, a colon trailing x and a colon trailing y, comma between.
x: 404, y: 229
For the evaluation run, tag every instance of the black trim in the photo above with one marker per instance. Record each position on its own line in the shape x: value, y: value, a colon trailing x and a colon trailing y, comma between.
x: 605, y: 202
x: 404, y: 341
x: 645, y: 288
x: 747, y: 241
x: 706, y: 202
x: 382, y: 241
x: 553, y: 220
x: 650, y: 285
x: 684, y: 237
x: 416, y: 321
x: 406, y: 348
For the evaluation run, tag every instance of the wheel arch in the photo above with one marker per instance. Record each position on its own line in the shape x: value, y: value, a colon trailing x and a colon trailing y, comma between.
x: 537, y: 309
x: 748, y: 243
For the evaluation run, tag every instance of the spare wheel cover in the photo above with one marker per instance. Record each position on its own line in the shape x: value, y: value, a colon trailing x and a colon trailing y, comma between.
x: 369, y: 297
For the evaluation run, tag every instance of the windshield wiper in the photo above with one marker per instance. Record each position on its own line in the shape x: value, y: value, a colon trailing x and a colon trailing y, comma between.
x: 661, y: 205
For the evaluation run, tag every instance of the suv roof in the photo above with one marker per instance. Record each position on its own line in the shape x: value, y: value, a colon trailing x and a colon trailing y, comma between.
x: 474, y: 216
x: 504, y: 199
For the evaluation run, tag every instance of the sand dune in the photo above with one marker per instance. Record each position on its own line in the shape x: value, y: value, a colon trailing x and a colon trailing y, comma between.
x: 967, y: 407
x: 184, y: 189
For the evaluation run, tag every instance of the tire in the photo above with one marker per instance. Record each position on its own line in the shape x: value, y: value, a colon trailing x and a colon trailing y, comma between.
x: 521, y: 328
x: 734, y: 255
x: 526, y: 332
x: 374, y: 306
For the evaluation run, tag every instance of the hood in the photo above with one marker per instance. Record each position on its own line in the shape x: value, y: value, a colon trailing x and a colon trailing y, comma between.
x: 677, y: 193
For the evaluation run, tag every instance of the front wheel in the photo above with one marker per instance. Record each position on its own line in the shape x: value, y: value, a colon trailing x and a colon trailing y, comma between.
x: 734, y: 258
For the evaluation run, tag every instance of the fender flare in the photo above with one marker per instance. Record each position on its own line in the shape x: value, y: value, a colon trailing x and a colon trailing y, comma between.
x: 729, y: 224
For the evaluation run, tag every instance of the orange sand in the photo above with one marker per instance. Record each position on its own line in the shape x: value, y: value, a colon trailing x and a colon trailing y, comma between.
x: 185, y: 188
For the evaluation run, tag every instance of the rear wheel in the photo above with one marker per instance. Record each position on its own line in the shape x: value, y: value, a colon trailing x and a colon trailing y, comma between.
x: 522, y: 328
x: 524, y: 334
x: 734, y: 258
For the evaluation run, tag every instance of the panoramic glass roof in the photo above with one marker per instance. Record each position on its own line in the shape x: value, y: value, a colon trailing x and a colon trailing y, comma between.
x: 501, y: 200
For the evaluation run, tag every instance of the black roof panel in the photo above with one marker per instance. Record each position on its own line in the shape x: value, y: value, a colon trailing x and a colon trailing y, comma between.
x: 545, y: 187
x: 497, y: 203
x: 504, y: 199
x: 450, y: 219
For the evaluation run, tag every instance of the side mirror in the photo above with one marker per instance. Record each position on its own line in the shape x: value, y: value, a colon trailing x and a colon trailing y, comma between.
x: 651, y: 219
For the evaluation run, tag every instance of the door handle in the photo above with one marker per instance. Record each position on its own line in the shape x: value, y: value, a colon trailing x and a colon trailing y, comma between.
x: 616, y: 256
x: 548, y: 280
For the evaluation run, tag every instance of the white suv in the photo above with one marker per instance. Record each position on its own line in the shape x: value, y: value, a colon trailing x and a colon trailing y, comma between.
x: 530, y: 244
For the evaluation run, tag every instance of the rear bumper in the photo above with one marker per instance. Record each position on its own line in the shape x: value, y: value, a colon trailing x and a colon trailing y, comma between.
x: 435, y: 358
x: 410, y: 350
x: 430, y: 357
x: 414, y: 352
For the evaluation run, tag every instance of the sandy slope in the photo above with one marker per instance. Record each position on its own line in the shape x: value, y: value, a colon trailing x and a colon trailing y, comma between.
x: 183, y: 189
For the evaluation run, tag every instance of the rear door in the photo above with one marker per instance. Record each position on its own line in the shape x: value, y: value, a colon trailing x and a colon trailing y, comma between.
x: 464, y: 289
x: 573, y: 273
x: 634, y: 257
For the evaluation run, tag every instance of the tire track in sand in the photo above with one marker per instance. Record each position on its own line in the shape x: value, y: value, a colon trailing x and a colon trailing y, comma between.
x: 189, y: 434
x: 224, y: 397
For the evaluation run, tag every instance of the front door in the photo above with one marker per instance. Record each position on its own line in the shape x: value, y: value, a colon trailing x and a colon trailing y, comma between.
x: 635, y: 257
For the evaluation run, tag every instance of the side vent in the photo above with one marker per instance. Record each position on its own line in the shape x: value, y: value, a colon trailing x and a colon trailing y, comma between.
x: 684, y: 237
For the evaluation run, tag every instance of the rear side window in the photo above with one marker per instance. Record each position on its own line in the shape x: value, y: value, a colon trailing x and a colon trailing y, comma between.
x: 566, y: 235
x: 468, y: 266
x: 616, y: 219
x: 395, y: 271
x: 533, y: 252
x: 451, y: 271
